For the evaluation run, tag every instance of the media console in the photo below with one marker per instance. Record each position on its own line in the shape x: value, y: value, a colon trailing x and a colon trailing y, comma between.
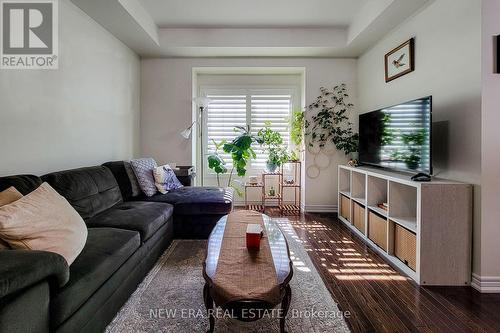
x: 424, y: 229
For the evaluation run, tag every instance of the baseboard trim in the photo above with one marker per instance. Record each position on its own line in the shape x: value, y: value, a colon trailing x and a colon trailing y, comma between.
x: 321, y: 208
x: 486, y: 284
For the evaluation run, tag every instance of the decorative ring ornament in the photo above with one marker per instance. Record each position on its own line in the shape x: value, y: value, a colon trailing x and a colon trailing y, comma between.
x: 322, y: 161
x: 329, y: 150
x: 314, y: 150
x: 313, y: 171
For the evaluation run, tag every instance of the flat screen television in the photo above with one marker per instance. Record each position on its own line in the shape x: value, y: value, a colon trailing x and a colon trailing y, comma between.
x: 398, y: 137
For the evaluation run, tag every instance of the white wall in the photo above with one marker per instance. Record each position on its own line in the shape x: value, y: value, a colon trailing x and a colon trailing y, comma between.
x: 84, y: 113
x: 448, y: 66
x: 166, y: 109
x: 490, y: 177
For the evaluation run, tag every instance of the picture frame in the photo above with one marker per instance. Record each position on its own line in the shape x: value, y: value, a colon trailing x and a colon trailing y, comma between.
x: 400, y: 61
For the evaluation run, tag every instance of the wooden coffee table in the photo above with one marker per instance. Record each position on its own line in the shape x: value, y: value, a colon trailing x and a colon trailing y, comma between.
x: 282, y: 264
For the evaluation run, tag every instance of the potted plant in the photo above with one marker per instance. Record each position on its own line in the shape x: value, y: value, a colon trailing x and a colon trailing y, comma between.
x: 272, y: 142
x: 241, y: 152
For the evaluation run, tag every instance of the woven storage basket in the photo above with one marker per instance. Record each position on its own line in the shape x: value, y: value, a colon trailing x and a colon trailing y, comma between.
x: 405, y: 246
x: 377, y: 230
x: 358, y: 216
x: 345, y: 207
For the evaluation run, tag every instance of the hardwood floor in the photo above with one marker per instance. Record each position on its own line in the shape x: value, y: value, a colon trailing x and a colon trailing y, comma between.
x: 381, y: 299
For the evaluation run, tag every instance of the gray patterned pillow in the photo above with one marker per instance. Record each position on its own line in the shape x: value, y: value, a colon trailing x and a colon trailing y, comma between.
x: 143, y: 169
x: 136, y: 189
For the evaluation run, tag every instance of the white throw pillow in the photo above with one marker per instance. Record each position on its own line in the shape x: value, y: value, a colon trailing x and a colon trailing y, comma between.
x: 43, y: 220
x: 165, y: 179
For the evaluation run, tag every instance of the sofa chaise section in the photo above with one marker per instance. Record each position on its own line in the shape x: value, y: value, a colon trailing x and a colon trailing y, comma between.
x: 196, y: 209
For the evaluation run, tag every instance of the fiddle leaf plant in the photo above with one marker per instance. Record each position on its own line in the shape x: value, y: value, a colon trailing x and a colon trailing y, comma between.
x: 241, y: 149
x: 216, y: 162
x: 241, y: 152
x: 330, y: 122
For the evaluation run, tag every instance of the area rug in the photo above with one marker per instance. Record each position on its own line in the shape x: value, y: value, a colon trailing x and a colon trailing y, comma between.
x: 170, y: 299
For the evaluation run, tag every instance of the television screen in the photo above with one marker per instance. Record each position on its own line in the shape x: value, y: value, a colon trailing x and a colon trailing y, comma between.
x: 398, y: 137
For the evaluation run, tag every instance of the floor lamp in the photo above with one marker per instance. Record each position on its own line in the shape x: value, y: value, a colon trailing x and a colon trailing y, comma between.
x: 202, y: 103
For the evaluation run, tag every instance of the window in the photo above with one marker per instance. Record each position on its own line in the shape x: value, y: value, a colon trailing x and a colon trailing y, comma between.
x: 222, y: 115
x: 276, y: 109
x: 232, y: 107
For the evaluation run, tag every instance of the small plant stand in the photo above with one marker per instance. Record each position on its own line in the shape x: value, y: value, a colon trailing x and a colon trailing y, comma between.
x: 291, y: 208
x: 266, y: 181
x: 259, y: 207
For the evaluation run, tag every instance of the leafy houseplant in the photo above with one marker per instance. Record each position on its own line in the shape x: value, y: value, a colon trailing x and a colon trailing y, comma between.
x: 241, y: 152
x: 273, y: 145
x: 296, y: 127
x: 216, y: 162
x: 330, y: 123
x: 297, y: 132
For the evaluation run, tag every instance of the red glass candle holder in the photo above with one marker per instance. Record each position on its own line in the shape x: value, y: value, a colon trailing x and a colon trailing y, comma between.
x: 254, y: 234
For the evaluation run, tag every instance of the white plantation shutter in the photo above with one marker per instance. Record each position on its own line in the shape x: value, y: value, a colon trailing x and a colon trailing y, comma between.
x: 273, y: 108
x: 232, y: 107
x: 222, y: 115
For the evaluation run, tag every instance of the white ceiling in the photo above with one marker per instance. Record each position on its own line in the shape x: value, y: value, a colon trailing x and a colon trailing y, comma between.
x: 252, y: 13
x: 250, y: 28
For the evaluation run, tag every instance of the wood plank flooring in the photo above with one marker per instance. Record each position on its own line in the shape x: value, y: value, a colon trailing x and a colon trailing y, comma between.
x: 380, y: 298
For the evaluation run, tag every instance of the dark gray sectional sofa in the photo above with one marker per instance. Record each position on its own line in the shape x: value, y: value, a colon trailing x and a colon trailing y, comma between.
x: 126, y: 236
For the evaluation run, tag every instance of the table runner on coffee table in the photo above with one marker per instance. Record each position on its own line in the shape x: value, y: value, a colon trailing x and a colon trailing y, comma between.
x: 244, y: 274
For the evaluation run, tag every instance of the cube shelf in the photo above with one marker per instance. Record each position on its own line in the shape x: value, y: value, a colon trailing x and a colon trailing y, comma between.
x: 406, y: 222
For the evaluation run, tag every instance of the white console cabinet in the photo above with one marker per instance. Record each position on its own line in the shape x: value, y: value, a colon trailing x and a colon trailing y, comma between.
x: 425, y: 229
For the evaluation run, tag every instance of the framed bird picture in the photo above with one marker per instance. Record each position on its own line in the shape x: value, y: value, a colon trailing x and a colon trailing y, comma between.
x: 400, y: 61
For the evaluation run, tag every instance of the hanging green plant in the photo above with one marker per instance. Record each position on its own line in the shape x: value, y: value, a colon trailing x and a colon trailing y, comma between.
x: 330, y: 122
x: 297, y: 127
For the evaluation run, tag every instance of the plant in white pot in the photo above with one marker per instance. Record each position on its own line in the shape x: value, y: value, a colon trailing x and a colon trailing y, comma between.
x: 272, y: 142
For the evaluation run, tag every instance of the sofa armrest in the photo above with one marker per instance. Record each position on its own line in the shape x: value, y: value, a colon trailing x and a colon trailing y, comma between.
x: 20, y: 269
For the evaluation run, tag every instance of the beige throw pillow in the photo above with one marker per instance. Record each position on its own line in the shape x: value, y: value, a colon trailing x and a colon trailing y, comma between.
x: 9, y: 195
x: 43, y: 220
x: 6, y: 197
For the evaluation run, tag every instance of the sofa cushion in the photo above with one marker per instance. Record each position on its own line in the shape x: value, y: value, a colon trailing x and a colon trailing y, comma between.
x: 143, y: 169
x: 118, y: 170
x: 106, y: 250
x: 197, y: 200
x: 144, y: 217
x: 89, y: 190
x: 134, y: 183
x: 43, y: 220
x: 23, y: 183
x: 9, y: 196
